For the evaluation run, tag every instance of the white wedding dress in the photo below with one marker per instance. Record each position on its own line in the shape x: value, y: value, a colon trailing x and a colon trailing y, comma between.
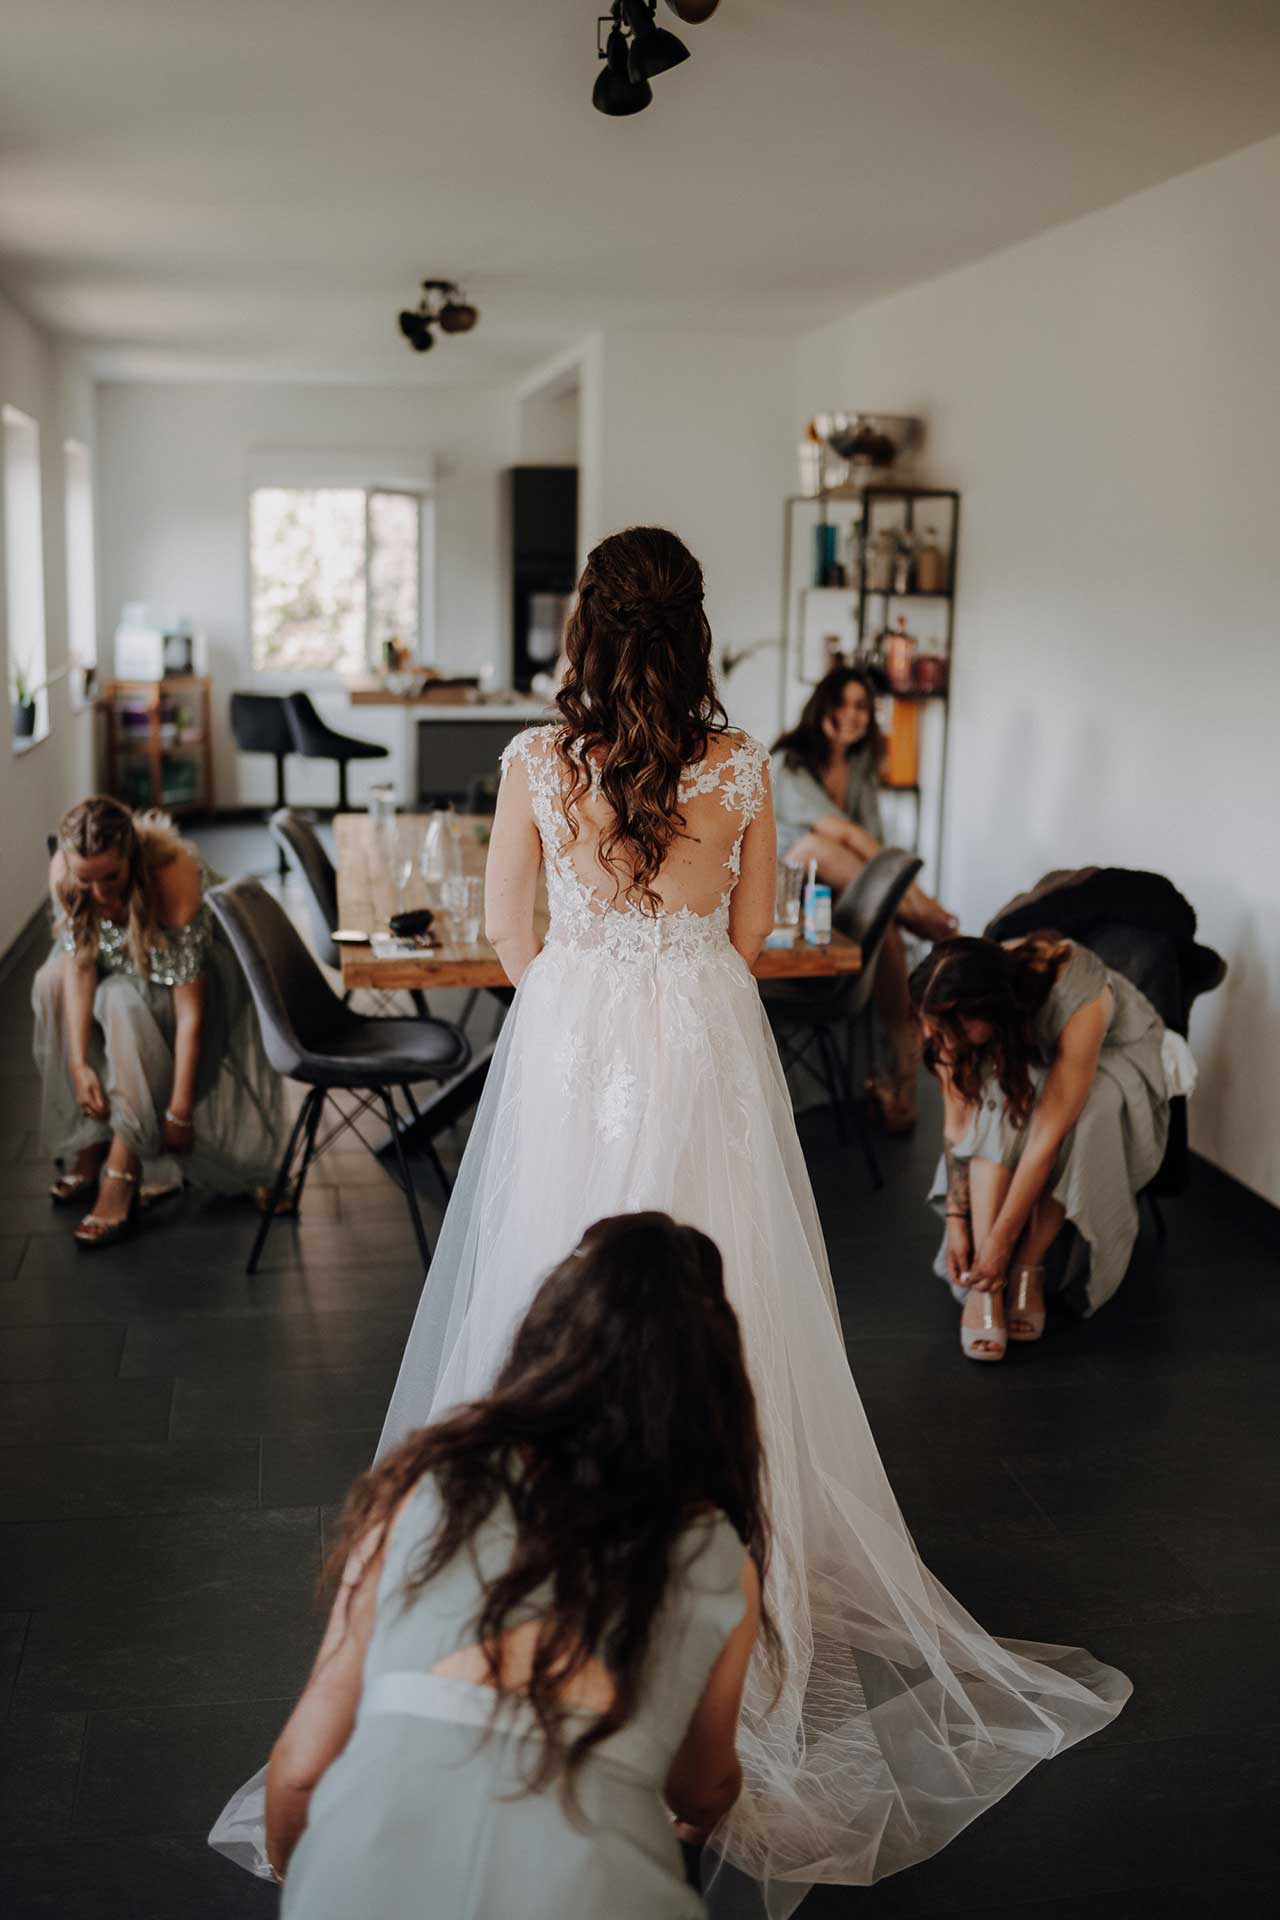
x: 636, y: 1069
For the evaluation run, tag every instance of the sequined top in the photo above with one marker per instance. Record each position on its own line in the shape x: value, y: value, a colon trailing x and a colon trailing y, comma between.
x: 181, y: 956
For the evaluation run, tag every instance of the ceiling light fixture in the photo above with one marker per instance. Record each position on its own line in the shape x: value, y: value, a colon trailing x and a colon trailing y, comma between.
x: 636, y: 50
x: 444, y: 305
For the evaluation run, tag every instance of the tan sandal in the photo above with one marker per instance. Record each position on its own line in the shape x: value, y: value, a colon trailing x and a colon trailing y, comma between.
x: 94, y: 1231
x: 70, y: 1187
x: 1026, y: 1321
x: 994, y: 1338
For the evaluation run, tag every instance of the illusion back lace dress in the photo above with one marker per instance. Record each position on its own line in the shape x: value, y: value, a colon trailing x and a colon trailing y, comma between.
x: 637, y: 1070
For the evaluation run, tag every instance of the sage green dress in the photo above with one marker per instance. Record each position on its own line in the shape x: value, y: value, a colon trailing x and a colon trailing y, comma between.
x: 424, y: 1813
x: 799, y: 799
x: 239, y: 1107
x: 1115, y: 1147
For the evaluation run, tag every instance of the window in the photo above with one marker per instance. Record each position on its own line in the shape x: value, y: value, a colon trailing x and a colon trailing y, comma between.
x: 82, y: 613
x: 24, y: 578
x: 335, y: 572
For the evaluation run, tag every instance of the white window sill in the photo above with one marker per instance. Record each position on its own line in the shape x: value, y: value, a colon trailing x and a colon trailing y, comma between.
x: 37, y: 739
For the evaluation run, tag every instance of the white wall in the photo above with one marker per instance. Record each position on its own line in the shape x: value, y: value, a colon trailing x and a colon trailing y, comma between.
x: 175, y: 463
x: 693, y: 431
x: 38, y: 786
x: 547, y: 429
x: 1107, y: 397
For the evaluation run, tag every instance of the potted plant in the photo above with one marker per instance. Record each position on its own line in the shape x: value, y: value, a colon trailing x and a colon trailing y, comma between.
x: 25, y: 693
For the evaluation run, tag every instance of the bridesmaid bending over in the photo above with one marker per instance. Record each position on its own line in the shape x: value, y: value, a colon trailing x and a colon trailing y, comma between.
x: 826, y: 798
x: 547, y: 1605
x: 1055, y: 1109
x: 145, y: 1035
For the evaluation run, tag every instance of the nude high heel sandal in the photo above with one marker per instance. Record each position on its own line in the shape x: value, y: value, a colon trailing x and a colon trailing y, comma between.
x: 994, y: 1338
x: 94, y: 1231
x: 1026, y: 1321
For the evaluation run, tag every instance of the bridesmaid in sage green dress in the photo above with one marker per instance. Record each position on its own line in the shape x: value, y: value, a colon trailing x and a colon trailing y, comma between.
x: 528, y: 1692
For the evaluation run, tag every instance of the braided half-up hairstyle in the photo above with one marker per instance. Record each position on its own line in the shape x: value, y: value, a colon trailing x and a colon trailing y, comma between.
x: 624, y: 1410
x: 971, y: 979
x: 146, y: 841
x: 638, y: 699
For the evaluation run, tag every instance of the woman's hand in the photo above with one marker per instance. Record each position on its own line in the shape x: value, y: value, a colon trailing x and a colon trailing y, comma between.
x: 177, y: 1131
x: 959, y: 1250
x: 987, y: 1273
x: 89, y: 1097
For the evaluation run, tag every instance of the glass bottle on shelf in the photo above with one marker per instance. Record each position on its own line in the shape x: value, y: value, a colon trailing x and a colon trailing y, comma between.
x: 902, y: 563
x: 882, y: 560
x: 931, y: 566
x: 899, y: 653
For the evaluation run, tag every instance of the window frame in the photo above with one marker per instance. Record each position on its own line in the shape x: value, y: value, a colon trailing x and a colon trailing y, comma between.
x: 419, y: 489
x: 15, y: 418
x: 80, y: 542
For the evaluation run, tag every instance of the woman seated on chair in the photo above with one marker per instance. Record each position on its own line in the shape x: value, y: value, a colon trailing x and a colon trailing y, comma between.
x: 145, y: 1034
x: 1055, y: 1109
x: 826, y: 798
x: 547, y: 1606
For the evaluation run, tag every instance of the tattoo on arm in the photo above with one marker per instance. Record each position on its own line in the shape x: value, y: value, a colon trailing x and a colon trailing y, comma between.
x: 957, y: 1184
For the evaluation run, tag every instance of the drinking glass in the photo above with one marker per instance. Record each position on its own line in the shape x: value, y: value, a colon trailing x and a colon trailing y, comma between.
x: 786, y: 911
x: 464, y: 901
x: 382, y: 811
x: 402, y: 858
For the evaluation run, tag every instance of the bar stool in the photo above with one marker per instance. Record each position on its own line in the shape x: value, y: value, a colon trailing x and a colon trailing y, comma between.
x: 314, y: 739
x: 259, y: 724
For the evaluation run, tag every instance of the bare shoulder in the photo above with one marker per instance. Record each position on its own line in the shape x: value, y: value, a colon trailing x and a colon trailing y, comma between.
x: 179, y: 888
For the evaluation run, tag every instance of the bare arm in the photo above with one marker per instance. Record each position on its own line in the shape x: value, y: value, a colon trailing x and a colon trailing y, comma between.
x: 1061, y: 1102
x: 511, y: 874
x: 320, y: 1725
x: 751, y: 903
x: 80, y: 984
x: 706, y: 1774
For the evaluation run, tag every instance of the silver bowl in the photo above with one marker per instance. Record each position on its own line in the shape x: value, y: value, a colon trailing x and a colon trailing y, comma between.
x: 875, y: 440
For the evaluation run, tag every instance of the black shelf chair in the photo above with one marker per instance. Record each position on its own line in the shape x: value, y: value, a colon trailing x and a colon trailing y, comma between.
x: 259, y: 724
x: 314, y: 739
x: 818, y: 1024
x: 308, y: 859
x: 313, y: 1037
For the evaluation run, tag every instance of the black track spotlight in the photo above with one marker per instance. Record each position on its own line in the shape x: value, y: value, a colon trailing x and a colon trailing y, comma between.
x: 416, y: 329
x: 615, y: 93
x: 653, y: 49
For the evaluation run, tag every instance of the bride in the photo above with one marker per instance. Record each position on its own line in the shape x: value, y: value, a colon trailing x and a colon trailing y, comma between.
x: 636, y: 1070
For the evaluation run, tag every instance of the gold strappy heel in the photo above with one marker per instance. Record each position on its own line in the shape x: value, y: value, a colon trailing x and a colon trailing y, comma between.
x: 94, y: 1231
x: 1025, y: 1321
x: 991, y: 1335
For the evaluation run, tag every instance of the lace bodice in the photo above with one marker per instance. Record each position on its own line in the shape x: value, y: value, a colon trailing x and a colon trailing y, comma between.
x: 586, y: 914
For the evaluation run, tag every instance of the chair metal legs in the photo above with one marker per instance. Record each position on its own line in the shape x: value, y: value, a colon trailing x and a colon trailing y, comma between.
x: 834, y: 1075
x: 406, y: 1180
x: 308, y: 1116
x: 342, y: 787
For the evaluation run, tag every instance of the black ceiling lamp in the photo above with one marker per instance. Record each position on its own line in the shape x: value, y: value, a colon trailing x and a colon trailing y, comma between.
x: 615, y: 93
x: 693, y: 11
x: 653, y: 49
x: 444, y: 305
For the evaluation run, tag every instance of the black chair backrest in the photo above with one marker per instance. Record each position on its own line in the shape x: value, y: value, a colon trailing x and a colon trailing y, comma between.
x: 309, y: 733
x: 864, y: 912
x: 259, y: 723
x: 303, y: 849
x: 297, y: 1009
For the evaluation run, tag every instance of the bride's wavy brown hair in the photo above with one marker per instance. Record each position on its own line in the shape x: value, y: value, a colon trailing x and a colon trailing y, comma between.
x: 623, y: 1411
x: 147, y: 841
x: 970, y: 979
x: 639, y: 691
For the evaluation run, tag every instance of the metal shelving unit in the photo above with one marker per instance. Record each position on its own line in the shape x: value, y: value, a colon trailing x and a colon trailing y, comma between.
x: 867, y: 611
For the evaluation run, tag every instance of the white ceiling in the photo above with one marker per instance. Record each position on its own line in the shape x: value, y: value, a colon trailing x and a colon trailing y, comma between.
x: 257, y: 186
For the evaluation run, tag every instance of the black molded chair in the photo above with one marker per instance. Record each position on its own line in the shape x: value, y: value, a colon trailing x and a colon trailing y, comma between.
x: 312, y: 1036
x: 314, y: 739
x: 305, y: 854
x: 259, y: 724
x: 809, y: 1017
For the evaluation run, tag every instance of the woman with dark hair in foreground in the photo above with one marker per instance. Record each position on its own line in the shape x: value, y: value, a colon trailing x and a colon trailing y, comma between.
x: 1055, y: 1108
x: 547, y: 1605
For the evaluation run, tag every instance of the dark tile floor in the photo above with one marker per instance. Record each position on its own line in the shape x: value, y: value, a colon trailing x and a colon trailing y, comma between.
x: 173, y: 1437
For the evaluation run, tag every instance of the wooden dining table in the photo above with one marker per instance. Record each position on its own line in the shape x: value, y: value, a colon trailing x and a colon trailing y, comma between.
x: 367, y: 897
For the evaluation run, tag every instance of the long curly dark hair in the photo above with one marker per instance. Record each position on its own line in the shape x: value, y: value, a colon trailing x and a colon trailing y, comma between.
x: 639, y: 691
x: 970, y: 979
x: 805, y: 747
x: 623, y: 1411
